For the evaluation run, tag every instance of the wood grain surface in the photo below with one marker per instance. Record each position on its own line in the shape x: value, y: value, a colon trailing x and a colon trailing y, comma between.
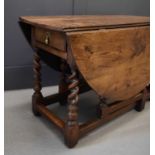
x: 72, y: 23
x: 114, y: 62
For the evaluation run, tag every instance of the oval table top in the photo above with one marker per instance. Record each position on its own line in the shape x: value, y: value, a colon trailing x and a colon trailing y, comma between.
x: 114, y: 62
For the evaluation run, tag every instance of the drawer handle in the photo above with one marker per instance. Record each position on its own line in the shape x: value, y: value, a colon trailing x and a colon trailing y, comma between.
x: 47, y: 38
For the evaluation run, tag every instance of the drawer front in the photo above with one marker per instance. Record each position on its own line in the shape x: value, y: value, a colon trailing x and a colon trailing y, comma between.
x: 50, y: 38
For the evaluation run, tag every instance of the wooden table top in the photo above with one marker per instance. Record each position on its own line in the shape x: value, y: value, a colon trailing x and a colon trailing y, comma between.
x: 111, y: 52
x: 67, y: 23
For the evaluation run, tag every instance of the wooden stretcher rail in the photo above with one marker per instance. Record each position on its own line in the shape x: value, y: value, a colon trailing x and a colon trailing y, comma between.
x: 51, y: 116
x: 111, y: 113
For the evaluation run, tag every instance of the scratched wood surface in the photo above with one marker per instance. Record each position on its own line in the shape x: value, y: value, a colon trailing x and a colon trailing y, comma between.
x: 114, y: 62
x: 71, y: 23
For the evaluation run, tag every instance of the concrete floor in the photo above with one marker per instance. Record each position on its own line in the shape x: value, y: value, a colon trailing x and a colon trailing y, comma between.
x: 29, y: 135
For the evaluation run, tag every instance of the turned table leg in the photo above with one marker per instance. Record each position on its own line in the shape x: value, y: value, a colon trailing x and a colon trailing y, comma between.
x: 71, y: 131
x: 37, y: 96
x: 141, y: 103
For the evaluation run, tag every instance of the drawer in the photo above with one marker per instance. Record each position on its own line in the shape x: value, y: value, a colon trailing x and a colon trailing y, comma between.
x: 50, y: 38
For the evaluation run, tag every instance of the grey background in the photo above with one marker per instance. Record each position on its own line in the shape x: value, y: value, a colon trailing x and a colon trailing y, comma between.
x: 18, y: 53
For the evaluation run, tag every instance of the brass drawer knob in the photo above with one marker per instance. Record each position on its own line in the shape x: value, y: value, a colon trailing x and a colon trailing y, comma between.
x: 47, y: 38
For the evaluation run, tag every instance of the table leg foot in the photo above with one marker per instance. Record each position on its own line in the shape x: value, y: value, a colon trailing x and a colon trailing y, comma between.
x: 140, y: 106
x: 71, y: 135
x: 141, y: 103
x: 35, y: 100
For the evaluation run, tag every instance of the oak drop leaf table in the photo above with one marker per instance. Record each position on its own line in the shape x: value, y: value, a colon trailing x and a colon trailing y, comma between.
x: 108, y: 54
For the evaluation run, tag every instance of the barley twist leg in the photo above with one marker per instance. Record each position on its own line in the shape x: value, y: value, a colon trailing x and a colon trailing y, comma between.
x: 37, y: 96
x: 72, y: 126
